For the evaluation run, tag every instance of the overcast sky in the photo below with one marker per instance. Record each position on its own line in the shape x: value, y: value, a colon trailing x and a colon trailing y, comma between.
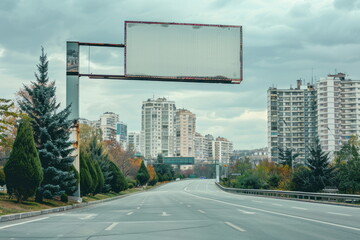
x: 284, y: 40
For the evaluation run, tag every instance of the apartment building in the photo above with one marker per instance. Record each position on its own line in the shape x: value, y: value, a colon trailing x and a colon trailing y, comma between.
x: 185, y: 124
x: 339, y: 110
x: 292, y: 124
x: 108, y: 122
x: 157, y: 125
x: 134, y: 140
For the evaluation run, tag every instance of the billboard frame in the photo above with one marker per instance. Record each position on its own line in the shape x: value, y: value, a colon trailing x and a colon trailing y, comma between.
x: 190, y: 78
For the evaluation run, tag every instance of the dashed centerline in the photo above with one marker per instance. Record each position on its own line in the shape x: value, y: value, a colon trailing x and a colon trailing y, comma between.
x: 341, y: 214
x: 111, y: 226
x: 235, y: 227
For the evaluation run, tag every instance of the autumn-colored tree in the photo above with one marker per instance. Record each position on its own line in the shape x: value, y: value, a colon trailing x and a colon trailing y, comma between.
x: 152, y: 172
x: 121, y: 157
x: 8, y: 116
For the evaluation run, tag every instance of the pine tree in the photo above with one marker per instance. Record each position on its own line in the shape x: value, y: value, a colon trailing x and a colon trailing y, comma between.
x: 23, y: 171
x: 51, y: 132
x: 143, y: 175
x: 287, y: 157
x: 321, y: 173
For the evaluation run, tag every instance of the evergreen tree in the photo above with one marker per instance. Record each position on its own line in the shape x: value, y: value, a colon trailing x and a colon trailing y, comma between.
x: 118, y: 182
x: 101, y: 166
x: 86, y: 181
x: 287, y: 157
x: 2, y: 176
x: 321, y: 173
x: 51, y: 132
x: 142, y: 175
x: 348, y: 168
x: 94, y: 175
x: 23, y: 171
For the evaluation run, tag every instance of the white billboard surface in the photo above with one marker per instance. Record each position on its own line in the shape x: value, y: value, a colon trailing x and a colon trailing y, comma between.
x: 173, y: 50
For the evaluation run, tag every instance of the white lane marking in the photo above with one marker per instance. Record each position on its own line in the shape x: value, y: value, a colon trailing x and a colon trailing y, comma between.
x: 185, y: 189
x: 280, y: 214
x: 111, y: 226
x: 164, y: 214
x: 235, y: 227
x: 257, y: 201
x: 138, y: 208
x: 245, y: 212
x: 188, y: 205
x: 201, y: 211
x: 276, y: 204
x: 341, y: 214
x: 16, y: 224
x: 129, y: 213
x: 300, y: 208
x: 88, y: 216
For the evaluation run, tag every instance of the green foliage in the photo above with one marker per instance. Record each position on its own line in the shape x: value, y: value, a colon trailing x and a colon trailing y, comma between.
x: 23, y: 170
x: 64, y: 198
x: 131, y: 182
x: 249, y: 181
x: 6, y: 123
x: 274, y: 180
x: 287, y: 157
x: 241, y: 166
x: 348, y: 168
x: 100, y: 178
x: 321, y: 172
x: 164, y: 172
x: 152, y: 182
x: 86, y: 181
x: 2, y: 177
x: 51, y: 132
x: 300, y: 180
x: 118, y: 182
x: 142, y: 175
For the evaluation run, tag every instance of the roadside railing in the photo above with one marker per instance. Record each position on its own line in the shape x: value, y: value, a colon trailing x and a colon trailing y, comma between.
x: 310, y: 196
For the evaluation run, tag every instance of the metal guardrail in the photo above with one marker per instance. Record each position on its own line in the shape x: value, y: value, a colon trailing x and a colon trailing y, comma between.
x: 329, y: 197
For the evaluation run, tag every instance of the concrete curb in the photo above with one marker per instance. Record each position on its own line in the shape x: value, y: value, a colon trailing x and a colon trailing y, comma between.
x: 17, y: 216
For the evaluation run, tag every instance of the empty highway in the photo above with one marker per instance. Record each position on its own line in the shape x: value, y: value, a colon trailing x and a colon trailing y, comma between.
x: 192, y: 209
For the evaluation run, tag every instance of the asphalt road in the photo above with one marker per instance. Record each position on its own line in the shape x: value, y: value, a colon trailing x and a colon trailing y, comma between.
x: 192, y: 209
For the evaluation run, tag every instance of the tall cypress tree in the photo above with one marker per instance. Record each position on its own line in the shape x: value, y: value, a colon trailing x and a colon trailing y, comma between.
x: 142, y: 175
x: 51, y: 131
x: 23, y: 170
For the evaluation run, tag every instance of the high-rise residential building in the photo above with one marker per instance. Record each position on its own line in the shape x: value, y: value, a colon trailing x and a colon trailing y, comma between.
x: 185, y: 133
x: 199, y: 148
x: 339, y: 110
x: 108, y: 122
x: 221, y: 150
x: 292, y: 124
x: 134, y: 140
x: 208, y: 150
x: 157, y: 125
x: 121, y: 133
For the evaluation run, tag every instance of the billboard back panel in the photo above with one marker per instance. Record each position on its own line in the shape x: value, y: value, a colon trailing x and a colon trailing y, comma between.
x: 174, y: 50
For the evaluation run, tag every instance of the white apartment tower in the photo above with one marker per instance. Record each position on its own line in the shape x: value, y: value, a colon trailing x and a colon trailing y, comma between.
x: 339, y: 110
x: 199, y: 143
x: 185, y: 122
x: 221, y: 150
x: 157, y: 125
x: 134, y: 140
x: 292, y: 124
x: 108, y: 122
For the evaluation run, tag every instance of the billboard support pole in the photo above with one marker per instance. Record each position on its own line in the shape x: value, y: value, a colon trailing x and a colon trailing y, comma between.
x: 72, y: 98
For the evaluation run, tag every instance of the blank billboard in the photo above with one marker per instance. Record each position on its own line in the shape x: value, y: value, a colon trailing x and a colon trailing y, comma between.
x: 183, y: 51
